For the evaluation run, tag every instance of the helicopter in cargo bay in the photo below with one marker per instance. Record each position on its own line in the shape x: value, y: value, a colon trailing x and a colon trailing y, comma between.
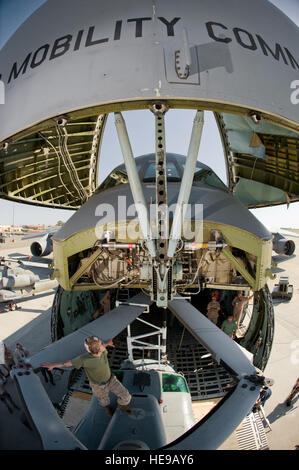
x: 162, y: 233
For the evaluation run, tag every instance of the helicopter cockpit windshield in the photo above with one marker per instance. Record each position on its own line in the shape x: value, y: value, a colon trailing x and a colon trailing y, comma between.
x: 146, y: 168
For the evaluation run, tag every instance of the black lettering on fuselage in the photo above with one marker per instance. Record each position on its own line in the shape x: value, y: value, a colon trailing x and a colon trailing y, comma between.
x: 139, y: 21
x: 217, y: 32
x: 43, y: 48
x: 90, y: 41
x: 210, y: 27
x: 62, y: 45
x: 251, y: 45
x: 15, y: 73
x: 78, y: 40
x: 293, y: 62
x: 169, y: 24
x: 117, y: 31
x: 278, y: 49
x: 247, y: 41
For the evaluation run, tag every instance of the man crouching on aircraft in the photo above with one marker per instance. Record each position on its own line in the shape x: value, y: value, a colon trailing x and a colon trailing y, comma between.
x: 96, y: 366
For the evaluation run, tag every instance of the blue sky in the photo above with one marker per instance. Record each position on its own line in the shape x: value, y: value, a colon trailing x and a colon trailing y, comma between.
x: 141, y: 123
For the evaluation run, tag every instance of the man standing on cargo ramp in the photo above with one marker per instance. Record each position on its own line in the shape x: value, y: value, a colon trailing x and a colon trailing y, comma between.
x: 96, y: 365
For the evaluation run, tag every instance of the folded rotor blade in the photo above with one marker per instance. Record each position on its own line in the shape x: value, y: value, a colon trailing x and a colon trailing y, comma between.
x: 219, y: 344
x: 218, y: 425
x: 42, y: 415
x: 106, y: 327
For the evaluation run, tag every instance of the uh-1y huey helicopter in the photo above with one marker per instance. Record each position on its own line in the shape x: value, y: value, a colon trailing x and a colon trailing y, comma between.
x: 168, y: 55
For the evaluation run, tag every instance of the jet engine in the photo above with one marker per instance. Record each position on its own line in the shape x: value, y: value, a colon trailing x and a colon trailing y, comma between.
x: 282, y: 245
x: 42, y: 247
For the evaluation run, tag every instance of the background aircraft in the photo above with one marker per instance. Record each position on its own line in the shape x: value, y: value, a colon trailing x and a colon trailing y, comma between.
x: 43, y: 246
x: 17, y: 282
x: 281, y: 244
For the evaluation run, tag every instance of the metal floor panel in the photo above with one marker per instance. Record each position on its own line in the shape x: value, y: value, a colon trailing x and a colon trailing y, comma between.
x: 205, y: 378
x: 251, y: 435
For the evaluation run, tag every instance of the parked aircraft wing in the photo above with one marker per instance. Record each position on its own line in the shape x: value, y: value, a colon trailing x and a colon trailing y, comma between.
x: 40, y: 234
x: 287, y: 232
x: 106, y: 327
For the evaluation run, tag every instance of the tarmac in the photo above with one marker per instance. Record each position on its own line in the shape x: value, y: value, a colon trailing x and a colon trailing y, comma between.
x: 283, y: 365
x: 30, y: 326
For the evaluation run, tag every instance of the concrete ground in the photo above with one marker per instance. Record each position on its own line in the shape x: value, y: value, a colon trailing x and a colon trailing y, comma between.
x: 31, y: 327
x: 283, y: 365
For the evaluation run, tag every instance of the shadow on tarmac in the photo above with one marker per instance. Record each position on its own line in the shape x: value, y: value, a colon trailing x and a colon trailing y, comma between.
x: 281, y: 410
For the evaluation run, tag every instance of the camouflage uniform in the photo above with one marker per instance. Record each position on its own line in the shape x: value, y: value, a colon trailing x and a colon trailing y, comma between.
x: 9, y: 360
x: 212, y: 311
x: 293, y: 393
x: 114, y: 386
x: 100, y: 378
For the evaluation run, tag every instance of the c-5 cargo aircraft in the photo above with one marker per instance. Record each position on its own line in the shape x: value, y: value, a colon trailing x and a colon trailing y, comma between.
x: 130, y: 55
